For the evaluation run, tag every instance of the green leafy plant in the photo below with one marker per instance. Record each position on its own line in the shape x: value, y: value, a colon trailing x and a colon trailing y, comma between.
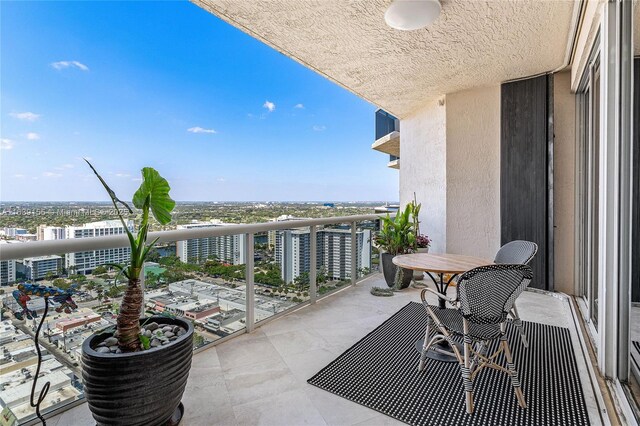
x: 382, y: 292
x: 422, y: 241
x: 152, y: 196
x: 397, y: 235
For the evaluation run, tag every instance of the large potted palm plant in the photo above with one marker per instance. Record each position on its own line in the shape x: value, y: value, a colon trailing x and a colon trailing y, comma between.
x: 396, y: 236
x: 136, y: 373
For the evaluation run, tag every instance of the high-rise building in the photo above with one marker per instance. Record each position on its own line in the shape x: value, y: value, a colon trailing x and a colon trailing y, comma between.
x: 293, y: 253
x: 7, y: 272
x: 272, y: 235
x: 12, y: 231
x: 37, y: 268
x: 46, y: 233
x: 7, y: 268
x: 228, y: 248
x: 86, y: 261
x: 333, y: 252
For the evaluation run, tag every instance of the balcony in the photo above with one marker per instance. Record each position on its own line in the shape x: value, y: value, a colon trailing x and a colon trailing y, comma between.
x: 254, y: 368
x: 261, y: 377
x: 389, y: 144
x: 235, y: 305
x: 515, y: 125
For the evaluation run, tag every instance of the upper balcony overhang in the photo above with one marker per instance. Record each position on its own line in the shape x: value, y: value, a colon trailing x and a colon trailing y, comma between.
x: 389, y: 144
x: 471, y: 44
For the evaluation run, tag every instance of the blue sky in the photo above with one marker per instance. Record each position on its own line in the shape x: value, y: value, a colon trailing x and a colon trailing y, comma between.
x: 168, y: 85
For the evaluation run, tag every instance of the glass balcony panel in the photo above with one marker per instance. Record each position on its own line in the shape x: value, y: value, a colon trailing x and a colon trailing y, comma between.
x: 281, y: 278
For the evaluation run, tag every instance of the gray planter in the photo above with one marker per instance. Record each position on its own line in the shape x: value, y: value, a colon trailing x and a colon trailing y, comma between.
x: 389, y: 271
x: 138, y: 388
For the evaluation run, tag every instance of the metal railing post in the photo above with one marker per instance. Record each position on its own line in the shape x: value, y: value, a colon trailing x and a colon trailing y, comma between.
x: 250, y: 301
x: 354, y: 255
x: 313, y: 264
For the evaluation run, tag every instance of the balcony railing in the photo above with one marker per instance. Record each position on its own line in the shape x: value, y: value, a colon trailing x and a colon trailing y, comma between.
x: 265, y: 304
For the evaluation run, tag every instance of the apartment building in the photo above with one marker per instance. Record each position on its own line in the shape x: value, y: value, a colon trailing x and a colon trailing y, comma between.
x: 7, y: 267
x: 86, y: 261
x: 37, y: 268
x: 229, y: 248
x: 333, y: 252
x: 47, y: 233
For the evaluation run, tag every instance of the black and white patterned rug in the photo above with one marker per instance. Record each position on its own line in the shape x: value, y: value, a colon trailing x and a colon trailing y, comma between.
x: 380, y: 372
x: 635, y: 355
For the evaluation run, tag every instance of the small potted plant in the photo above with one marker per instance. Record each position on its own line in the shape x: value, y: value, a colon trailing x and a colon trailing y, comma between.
x: 136, y: 373
x: 422, y: 244
x: 395, y: 237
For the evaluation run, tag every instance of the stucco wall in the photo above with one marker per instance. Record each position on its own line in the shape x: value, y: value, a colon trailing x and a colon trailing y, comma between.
x: 564, y: 182
x: 423, y: 169
x: 473, y: 172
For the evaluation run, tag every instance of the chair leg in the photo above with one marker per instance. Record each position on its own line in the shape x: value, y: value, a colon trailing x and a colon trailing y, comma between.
x: 466, y: 372
x: 425, y: 348
x: 518, y: 323
x: 515, y: 381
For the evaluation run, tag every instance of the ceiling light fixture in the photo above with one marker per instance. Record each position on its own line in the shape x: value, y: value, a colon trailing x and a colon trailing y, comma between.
x: 409, y: 15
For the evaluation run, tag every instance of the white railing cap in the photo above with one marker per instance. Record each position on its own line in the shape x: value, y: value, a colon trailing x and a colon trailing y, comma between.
x: 73, y: 245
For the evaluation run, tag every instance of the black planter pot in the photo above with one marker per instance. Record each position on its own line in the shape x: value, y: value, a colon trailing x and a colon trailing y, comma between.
x: 138, y: 388
x: 389, y: 270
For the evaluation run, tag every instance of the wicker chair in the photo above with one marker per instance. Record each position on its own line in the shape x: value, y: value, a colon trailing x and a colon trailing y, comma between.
x: 485, y: 296
x: 517, y: 252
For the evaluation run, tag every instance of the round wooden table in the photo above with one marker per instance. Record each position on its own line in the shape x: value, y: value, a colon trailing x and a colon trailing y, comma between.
x: 439, y: 265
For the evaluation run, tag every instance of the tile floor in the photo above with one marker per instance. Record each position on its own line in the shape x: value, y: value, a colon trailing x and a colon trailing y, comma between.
x: 260, y: 378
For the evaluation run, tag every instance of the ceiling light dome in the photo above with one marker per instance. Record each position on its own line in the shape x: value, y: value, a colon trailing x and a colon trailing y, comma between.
x: 408, y: 15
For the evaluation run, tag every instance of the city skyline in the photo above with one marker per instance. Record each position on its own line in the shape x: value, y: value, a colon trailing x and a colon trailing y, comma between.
x: 221, y: 115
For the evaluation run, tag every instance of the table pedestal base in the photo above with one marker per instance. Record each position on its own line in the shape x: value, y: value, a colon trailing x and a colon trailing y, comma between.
x: 440, y: 351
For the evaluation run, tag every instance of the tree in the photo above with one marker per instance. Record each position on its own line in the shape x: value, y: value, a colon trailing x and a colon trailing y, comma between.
x: 61, y: 283
x: 198, y: 340
x: 114, y: 292
x: 321, y: 275
x: 302, y: 281
x: 152, y: 280
x: 154, y: 255
x: 100, y: 270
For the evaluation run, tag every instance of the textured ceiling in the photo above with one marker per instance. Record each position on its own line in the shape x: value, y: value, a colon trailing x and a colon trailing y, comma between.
x: 473, y: 43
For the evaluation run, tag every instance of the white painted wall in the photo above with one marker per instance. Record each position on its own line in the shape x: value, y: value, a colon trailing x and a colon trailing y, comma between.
x: 473, y: 172
x: 450, y: 156
x: 423, y: 169
x: 564, y: 182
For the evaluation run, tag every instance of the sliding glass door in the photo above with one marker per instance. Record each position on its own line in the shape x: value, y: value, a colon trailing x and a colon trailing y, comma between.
x: 589, y: 114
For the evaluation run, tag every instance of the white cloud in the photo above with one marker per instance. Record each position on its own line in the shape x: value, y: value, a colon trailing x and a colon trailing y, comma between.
x: 52, y: 174
x: 200, y: 130
x: 299, y: 106
x: 221, y: 179
x: 69, y: 64
x: 318, y: 128
x: 33, y: 136
x: 26, y: 116
x: 19, y: 176
x: 6, y: 143
x: 123, y: 175
x: 270, y: 106
x: 64, y: 167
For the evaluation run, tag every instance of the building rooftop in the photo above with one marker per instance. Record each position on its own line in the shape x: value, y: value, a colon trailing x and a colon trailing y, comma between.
x: 38, y: 258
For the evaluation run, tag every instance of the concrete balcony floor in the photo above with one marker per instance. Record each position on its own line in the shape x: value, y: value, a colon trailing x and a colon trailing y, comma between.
x: 260, y: 378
